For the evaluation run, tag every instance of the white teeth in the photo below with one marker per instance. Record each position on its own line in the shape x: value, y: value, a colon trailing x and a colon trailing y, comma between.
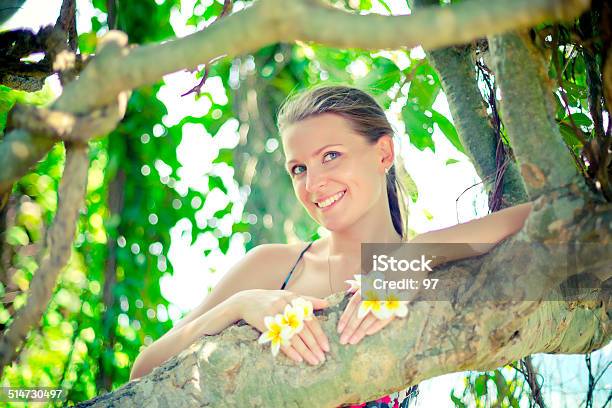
x: 330, y: 200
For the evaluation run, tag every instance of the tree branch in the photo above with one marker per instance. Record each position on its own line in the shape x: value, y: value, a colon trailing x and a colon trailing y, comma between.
x: 271, y: 21
x: 58, y: 241
x: 456, y: 68
x: 528, y: 112
x: 464, y: 332
x: 457, y: 74
x: 54, y: 256
x: 67, y: 126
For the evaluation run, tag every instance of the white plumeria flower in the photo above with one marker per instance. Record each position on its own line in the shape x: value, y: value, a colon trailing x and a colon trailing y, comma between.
x: 278, y: 333
x: 293, y: 318
x: 396, y: 307
x: 304, y: 308
x: 355, y: 284
x: 371, y: 302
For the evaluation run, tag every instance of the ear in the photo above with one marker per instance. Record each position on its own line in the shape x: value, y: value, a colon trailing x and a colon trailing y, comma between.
x: 386, y: 152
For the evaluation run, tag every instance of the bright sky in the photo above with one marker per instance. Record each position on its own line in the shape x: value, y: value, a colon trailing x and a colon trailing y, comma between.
x: 439, y: 187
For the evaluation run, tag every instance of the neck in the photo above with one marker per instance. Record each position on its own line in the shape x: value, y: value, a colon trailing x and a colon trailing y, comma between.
x: 368, y: 229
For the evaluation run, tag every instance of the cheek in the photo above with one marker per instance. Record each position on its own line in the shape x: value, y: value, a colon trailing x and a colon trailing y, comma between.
x: 300, y: 192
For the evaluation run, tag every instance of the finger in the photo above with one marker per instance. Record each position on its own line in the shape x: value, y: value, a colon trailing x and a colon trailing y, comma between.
x: 351, y: 307
x: 309, y: 339
x: 351, y: 326
x: 292, y: 353
x: 378, y: 325
x: 304, y: 351
x: 363, y: 327
x: 317, y: 331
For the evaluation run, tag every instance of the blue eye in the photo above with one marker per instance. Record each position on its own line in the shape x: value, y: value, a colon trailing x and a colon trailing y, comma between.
x: 337, y: 154
x: 328, y: 153
x: 293, y: 170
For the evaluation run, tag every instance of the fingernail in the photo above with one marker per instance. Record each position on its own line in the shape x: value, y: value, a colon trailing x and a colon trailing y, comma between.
x: 340, y: 327
x: 342, y: 339
x: 322, y: 357
x: 354, y: 340
x: 326, y: 346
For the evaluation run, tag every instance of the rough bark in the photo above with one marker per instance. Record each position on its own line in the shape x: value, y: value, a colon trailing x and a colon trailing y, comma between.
x: 470, y: 331
x: 271, y: 21
x: 53, y: 257
x: 529, y: 110
x: 458, y: 76
x: 456, y: 68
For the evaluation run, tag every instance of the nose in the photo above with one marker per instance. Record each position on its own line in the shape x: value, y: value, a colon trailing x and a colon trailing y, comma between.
x: 315, y: 179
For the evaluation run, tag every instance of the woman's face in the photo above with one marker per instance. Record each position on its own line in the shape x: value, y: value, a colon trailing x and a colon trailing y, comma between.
x: 337, y: 174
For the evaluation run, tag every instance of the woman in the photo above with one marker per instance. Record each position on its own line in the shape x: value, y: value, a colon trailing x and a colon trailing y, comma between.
x: 340, y: 156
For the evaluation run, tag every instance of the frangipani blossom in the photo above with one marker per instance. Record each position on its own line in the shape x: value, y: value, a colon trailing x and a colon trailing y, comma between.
x: 278, y: 333
x: 395, y: 306
x: 372, y: 302
x: 293, y: 318
x: 304, y: 308
x: 355, y: 284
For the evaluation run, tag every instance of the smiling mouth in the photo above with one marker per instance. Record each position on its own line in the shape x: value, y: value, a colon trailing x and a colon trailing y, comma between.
x: 331, y: 200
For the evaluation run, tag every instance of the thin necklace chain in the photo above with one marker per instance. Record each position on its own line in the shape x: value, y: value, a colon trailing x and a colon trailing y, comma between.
x: 329, y: 273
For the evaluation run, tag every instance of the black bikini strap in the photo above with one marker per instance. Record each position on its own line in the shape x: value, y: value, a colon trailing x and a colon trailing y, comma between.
x: 295, y: 264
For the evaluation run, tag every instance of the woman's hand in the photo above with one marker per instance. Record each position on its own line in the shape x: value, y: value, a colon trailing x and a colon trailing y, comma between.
x: 353, y: 328
x: 309, y: 344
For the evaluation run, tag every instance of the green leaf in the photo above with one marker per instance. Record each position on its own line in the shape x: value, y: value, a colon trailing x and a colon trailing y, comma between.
x: 100, y: 5
x: 449, y: 130
x: 424, y: 87
x: 87, y: 43
x: 580, y: 119
x: 16, y: 235
x: 418, y: 126
x: 480, y: 385
x: 225, y: 156
x: 383, y: 75
x: 365, y: 4
x: 224, y: 244
x: 385, y: 5
x: 214, y: 181
x: 457, y: 401
x: 408, y: 184
x: 7, y: 101
x: 240, y: 227
x: 569, y: 136
x: 451, y: 161
x: 214, y: 10
x: 560, y: 112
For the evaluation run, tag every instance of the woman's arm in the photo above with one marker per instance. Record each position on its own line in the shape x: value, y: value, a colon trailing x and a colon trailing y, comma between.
x: 488, y: 230
x: 218, y: 310
x: 212, y: 322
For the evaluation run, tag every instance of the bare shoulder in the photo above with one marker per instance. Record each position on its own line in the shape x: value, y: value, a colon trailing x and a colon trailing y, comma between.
x: 276, y: 260
x: 262, y: 267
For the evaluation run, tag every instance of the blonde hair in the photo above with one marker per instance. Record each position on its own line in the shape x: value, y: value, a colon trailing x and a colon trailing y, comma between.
x: 365, y: 116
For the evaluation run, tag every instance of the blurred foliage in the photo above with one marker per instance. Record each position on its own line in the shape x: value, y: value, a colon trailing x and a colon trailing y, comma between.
x: 107, y: 303
x: 491, y: 389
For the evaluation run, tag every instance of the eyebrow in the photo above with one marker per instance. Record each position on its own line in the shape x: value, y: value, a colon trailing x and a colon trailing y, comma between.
x: 316, y: 152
